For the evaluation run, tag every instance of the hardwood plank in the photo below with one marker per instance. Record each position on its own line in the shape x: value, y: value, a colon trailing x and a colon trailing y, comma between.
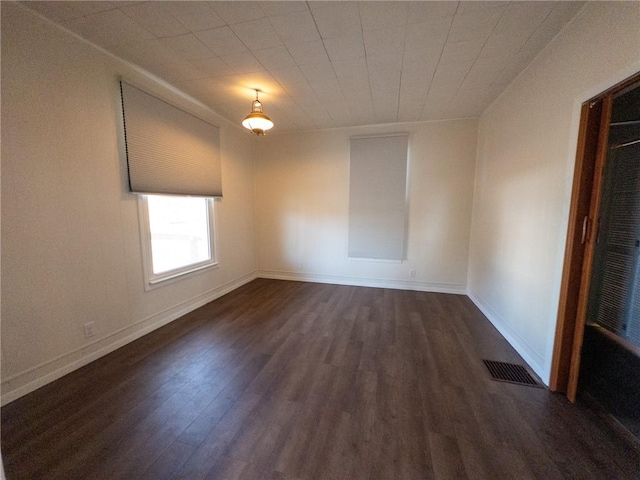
x: 290, y: 380
x: 170, y: 461
x: 446, y: 457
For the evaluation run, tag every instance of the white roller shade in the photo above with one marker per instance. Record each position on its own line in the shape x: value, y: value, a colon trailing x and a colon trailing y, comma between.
x: 169, y: 150
x: 377, y: 197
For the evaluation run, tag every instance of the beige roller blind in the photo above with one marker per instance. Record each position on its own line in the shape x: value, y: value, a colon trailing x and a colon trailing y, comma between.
x: 169, y: 151
x: 377, y: 197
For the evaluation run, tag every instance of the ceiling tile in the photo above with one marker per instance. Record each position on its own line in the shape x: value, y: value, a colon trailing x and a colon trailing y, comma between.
x: 515, y: 65
x: 214, y: 67
x: 231, y: 111
x: 385, y: 41
x: 289, y: 75
x: 357, y: 95
x: 385, y: 83
x: 308, y: 52
x: 243, y: 62
x: 377, y: 15
x: 328, y: 91
x: 473, y: 7
x: 341, y: 117
x: 157, y: 17
x: 385, y: 63
x: 482, y: 75
x: 362, y: 116
x: 325, y: 64
x: 411, y: 103
x: 196, y: 15
x: 111, y: 27
x: 323, y: 123
x: 257, y: 34
x: 461, y: 110
x: 63, y: 11
x: 416, y: 80
x: 238, y: 12
x: 300, y: 91
x: 435, y: 104
x: 409, y: 111
x: 563, y: 12
x: 460, y: 52
x: 187, y: 47
x: 210, y: 84
x: 311, y: 103
x: 274, y: 57
x: 289, y: 108
x: 272, y: 8
x: 351, y: 68
x: 295, y: 27
x: 263, y: 81
x: 422, y: 35
x: 430, y: 12
x: 475, y: 26
x: 504, y: 45
x: 317, y: 72
x: 337, y: 19
x: 386, y: 115
x: 222, y: 41
x: 421, y: 57
x: 448, y: 78
x: 488, y: 67
x: 344, y: 48
x: 522, y: 18
x: 180, y: 70
x: 541, y: 37
x: 145, y: 53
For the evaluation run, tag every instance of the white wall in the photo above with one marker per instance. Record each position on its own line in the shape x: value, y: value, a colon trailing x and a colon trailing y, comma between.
x: 302, y: 195
x: 70, y: 235
x: 526, y: 153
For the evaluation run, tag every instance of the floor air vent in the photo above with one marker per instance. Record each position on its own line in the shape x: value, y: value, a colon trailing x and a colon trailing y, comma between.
x: 511, y: 373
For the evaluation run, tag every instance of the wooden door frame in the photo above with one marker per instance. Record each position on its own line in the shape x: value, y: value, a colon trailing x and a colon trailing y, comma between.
x: 578, y: 259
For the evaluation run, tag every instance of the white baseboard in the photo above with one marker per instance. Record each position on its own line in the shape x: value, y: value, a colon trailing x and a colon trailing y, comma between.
x: 535, y: 361
x: 33, y: 378
x: 366, y: 282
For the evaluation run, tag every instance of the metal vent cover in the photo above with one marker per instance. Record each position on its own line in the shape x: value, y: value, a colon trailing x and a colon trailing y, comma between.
x: 510, y: 373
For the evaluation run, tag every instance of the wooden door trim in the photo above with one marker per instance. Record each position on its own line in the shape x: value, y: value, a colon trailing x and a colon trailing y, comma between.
x: 570, y: 326
x: 591, y: 113
x: 594, y: 214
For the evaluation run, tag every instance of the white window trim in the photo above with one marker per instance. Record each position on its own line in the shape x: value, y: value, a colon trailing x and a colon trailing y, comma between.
x: 153, y: 280
x: 373, y: 260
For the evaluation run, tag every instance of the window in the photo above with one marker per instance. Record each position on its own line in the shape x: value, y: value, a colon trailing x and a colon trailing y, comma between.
x: 178, y: 236
x: 173, y: 164
x: 377, y: 197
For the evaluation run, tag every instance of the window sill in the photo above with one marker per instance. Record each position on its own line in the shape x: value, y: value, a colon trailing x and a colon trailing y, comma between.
x: 169, y: 277
x: 374, y: 260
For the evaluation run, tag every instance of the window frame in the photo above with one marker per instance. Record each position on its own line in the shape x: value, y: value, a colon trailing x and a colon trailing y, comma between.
x: 154, y: 280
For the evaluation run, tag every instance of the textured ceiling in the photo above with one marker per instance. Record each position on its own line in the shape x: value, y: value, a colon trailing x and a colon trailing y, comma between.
x: 325, y: 64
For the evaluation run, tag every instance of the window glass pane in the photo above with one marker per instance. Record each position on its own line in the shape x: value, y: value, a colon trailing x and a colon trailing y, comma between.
x: 179, y: 229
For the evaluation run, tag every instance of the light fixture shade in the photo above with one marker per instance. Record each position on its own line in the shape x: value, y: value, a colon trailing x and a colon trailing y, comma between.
x: 257, y: 122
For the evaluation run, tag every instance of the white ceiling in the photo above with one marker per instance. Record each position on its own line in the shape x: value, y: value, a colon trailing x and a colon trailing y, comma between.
x: 325, y: 64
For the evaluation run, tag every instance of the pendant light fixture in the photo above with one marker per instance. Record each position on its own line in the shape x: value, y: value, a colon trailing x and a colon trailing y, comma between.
x: 257, y: 122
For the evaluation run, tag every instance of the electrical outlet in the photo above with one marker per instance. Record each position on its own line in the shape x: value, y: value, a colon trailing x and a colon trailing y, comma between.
x: 89, y: 329
x: 412, y: 273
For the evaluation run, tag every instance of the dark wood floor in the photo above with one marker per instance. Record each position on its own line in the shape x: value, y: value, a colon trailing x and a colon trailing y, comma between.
x: 288, y: 380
